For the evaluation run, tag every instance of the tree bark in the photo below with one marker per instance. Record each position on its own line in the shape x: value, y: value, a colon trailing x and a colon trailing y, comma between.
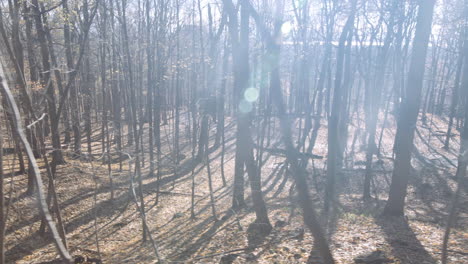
x: 48, y: 85
x: 409, y: 111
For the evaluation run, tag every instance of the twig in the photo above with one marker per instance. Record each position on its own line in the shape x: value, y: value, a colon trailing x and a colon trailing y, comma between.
x: 37, y: 121
x: 231, y: 251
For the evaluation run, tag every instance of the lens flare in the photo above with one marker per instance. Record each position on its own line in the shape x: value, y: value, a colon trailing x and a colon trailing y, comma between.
x: 251, y: 94
x: 286, y: 28
x: 245, y: 106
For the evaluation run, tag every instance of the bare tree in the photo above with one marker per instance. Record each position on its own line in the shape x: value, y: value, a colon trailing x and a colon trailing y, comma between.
x: 463, y: 154
x: 409, y: 111
x: 41, y: 197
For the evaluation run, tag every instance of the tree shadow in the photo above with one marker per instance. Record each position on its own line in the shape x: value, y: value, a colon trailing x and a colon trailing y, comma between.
x: 281, y: 174
x: 405, y: 245
x: 167, y: 176
x: 204, y: 238
x: 104, y: 209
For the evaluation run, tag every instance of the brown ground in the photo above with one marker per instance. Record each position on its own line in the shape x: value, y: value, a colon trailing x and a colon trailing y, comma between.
x: 355, y: 229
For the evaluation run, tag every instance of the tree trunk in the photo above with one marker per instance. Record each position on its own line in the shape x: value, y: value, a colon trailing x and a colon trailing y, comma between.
x: 2, y: 205
x: 409, y: 112
x: 333, y: 127
x: 455, y: 92
x: 463, y: 154
x: 49, y: 86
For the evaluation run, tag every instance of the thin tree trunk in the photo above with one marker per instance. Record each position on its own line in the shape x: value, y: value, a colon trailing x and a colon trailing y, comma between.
x: 333, y: 127
x: 462, y: 157
x: 455, y: 92
x: 41, y: 197
x: 2, y: 205
x: 49, y: 86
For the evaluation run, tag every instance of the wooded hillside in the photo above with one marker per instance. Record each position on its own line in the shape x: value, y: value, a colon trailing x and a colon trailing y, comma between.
x: 233, y: 131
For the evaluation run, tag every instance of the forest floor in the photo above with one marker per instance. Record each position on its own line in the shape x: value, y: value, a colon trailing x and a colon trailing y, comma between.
x: 97, y: 226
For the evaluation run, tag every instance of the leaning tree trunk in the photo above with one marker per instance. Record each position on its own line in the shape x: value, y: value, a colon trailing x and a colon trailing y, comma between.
x: 462, y: 157
x: 300, y: 174
x: 409, y: 111
x: 6, y: 92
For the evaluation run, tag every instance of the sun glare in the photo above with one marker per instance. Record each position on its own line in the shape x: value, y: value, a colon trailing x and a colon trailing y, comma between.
x: 286, y: 28
x: 251, y: 94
